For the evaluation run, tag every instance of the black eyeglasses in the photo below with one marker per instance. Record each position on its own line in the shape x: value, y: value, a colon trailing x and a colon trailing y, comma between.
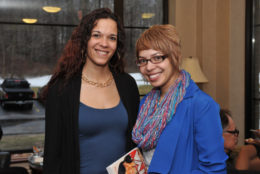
x: 154, y: 60
x: 234, y: 132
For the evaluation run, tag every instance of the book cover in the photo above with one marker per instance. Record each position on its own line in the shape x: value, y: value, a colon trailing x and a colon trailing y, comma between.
x: 130, y: 163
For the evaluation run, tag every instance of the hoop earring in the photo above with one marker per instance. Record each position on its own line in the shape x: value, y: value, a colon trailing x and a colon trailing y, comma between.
x: 83, y: 56
x: 118, y: 55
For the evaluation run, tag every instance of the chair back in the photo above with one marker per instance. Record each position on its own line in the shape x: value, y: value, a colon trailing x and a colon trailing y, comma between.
x: 5, y: 159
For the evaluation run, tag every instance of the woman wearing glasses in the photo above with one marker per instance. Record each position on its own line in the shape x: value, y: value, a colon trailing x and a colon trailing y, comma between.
x: 248, y: 158
x: 230, y: 133
x: 178, y: 126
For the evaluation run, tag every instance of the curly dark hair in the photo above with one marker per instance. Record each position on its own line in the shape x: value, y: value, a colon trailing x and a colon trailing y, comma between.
x: 73, y: 56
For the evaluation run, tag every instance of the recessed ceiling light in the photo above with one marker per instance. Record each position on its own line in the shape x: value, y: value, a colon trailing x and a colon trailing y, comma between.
x: 147, y: 15
x: 51, y: 9
x: 29, y: 20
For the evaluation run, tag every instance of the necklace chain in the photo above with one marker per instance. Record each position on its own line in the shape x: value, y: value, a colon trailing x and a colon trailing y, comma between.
x: 97, y: 84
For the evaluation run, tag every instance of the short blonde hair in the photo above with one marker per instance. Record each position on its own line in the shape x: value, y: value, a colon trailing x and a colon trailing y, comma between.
x: 162, y: 38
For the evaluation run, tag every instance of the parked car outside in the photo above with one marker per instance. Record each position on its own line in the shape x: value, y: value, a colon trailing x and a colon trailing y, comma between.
x: 16, y: 91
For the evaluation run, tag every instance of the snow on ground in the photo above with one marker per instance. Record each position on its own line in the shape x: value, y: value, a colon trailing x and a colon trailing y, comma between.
x: 139, y: 79
x: 42, y: 80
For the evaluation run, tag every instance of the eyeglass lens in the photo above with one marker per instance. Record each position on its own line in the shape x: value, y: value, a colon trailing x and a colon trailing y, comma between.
x: 236, y: 131
x: 154, y: 60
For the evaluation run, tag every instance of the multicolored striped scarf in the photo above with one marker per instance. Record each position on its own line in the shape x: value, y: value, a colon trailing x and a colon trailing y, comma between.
x: 154, y: 115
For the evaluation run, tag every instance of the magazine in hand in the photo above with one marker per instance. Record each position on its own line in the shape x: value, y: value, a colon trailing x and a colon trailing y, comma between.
x: 130, y: 163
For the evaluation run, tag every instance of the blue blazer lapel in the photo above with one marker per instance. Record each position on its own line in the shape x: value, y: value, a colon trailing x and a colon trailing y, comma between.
x: 164, y: 153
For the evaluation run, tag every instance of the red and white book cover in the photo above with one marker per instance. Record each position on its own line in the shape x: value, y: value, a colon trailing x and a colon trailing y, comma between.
x: 130, y: 163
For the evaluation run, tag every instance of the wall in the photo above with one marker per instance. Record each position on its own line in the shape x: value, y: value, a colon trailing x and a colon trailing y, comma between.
x: 237, y: 62
x: 214, y: 31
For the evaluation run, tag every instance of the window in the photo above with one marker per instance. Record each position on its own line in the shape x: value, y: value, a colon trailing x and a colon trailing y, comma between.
x: 138, y: 16
x: 32, y: 49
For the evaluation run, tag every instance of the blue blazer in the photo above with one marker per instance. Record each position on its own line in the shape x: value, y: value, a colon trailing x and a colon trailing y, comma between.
x: 192, y: 141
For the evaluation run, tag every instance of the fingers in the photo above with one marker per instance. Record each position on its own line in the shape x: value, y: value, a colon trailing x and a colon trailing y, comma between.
x: 252, y: 141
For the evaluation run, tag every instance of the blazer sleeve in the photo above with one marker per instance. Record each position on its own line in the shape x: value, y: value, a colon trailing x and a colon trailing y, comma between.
x: 52, y: 133
x: 208, y: 136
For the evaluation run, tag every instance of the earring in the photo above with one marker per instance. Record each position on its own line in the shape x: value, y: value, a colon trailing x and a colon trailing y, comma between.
x: 83, y: 56
x: 82, y: 53
x: 118, y: 55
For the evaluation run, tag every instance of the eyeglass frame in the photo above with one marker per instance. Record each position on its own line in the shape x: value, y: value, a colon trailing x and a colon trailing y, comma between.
x: 234, y: 132
x: 163, y: 57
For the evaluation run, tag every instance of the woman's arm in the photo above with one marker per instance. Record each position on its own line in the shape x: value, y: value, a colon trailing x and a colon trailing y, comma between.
x: 246, y: 154
x: 208, y: 136
x: 134, y: 100
x: 52, y: 134
x: 129, y: 95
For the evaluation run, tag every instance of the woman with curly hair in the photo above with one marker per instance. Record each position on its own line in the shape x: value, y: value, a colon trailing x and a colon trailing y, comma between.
x: 91, y: 103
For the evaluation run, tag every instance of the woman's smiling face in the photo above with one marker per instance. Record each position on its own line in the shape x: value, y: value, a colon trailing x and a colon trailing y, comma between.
x: 161, y: 75
x: 103, y: 42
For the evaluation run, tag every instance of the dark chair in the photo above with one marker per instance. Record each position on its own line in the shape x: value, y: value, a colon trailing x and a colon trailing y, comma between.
x: 5, y: 159
x: 5, y: 168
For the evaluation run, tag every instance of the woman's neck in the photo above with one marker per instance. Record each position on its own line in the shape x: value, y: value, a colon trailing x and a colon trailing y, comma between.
x: 96, y: 73
x: 164, y: 89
